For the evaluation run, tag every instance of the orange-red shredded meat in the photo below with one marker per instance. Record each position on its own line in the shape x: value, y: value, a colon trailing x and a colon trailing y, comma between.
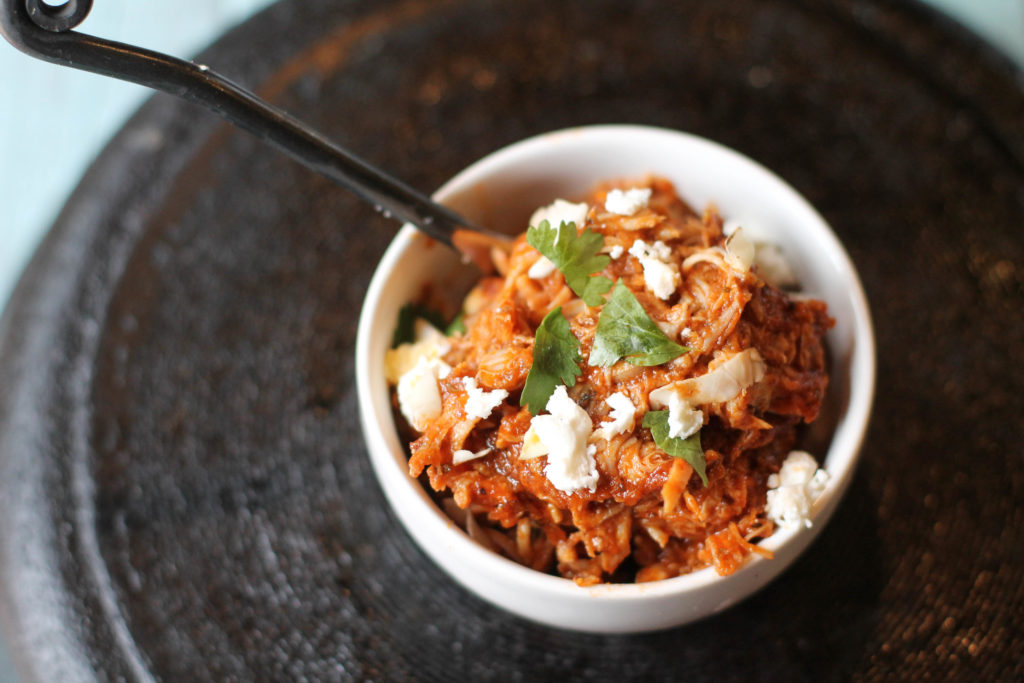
x: 649, y: 517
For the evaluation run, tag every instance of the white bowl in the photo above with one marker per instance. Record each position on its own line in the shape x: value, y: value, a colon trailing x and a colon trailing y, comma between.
x: 500, y: 191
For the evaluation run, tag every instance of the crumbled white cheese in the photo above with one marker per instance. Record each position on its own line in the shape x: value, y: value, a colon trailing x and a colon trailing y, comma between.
x: 658, y: 250
x: 480, y: 403
x: 683, y: 419
x: 616, y: 251
x: 419, y: 397
x: 660, y: 275
x: 560, y: 212
x: 430, y: 343
x: 541, y: 268
x: 562, y: 436
x: 462, y: 455
x: 792, y: 492
x: 623, y: 417
x: 627, y: 203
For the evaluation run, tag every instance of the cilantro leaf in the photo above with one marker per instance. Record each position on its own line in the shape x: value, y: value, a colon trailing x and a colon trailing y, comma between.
x: 556, y: 352
x: 689, y: 449
x: 455, y: 326
x: 624, y: 330
x: 405, y: 330
x: 577, y: 256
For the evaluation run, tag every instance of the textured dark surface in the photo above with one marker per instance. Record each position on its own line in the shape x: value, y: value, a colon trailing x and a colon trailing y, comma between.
x: 184, y: 487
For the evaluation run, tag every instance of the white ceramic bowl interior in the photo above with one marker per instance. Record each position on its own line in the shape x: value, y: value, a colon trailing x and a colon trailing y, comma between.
x: 501, y: 191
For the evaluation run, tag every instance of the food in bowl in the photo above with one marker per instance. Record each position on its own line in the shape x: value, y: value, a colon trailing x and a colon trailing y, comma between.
x: 623, y: 401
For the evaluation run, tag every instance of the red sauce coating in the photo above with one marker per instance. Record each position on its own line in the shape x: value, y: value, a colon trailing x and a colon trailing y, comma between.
x: 649, y: 517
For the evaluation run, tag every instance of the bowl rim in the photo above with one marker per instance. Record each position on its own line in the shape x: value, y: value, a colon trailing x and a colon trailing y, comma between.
x: 428, y: 519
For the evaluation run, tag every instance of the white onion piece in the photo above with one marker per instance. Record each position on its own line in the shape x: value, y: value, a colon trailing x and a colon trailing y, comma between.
x: 773, y: 267
x: 739, y: 251
x: 462, y: 455
x: 719, y: 384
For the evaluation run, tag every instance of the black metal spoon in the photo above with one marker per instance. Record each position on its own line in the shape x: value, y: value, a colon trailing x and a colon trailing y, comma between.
x: 43, y: 30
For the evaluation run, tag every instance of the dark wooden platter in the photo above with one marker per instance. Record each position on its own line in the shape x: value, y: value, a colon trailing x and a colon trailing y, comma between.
x: 184, y: 489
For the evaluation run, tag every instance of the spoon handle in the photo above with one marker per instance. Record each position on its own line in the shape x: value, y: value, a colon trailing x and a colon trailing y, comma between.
x: 43, y: 30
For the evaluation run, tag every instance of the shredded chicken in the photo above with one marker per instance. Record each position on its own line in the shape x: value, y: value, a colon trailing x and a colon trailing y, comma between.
x: 649, y: 517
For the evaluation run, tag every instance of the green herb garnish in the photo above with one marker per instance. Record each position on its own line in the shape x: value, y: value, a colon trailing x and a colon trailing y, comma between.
x: 556, y: 353
x: 456, y: 326
x: 405, y: 331
x: 577, y: 256
x: 624, y: 330
x: 689, y: 449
